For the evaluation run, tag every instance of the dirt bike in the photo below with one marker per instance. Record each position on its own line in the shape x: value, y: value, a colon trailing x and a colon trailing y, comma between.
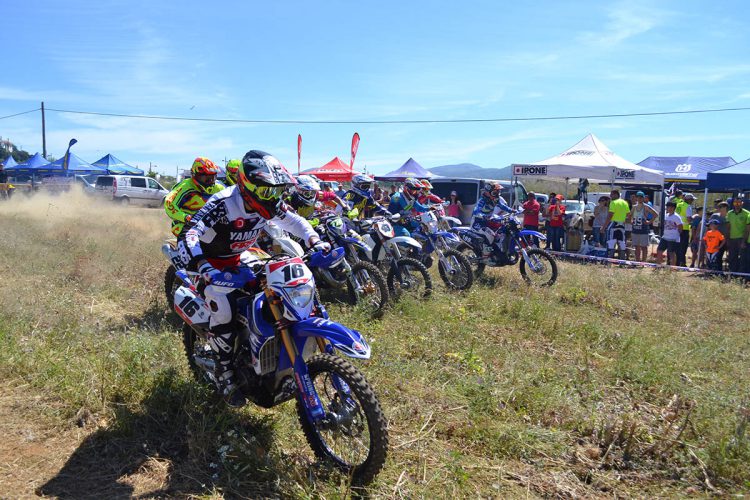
x: 453, y: 266
x: 286, y: 350
x: 383, y: 248
x: 509, y: 244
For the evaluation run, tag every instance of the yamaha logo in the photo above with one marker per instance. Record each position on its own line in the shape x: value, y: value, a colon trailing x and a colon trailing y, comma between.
x: 530, y: 170
x: 683, y: 167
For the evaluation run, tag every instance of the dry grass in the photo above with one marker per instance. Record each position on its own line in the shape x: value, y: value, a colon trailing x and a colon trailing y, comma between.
x: 615, y: 382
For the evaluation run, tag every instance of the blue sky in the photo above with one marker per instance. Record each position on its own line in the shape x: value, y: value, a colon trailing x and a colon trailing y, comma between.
x: 382, y: 60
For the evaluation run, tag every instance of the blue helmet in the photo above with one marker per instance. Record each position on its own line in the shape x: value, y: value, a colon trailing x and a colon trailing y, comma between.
x: 361, y: 184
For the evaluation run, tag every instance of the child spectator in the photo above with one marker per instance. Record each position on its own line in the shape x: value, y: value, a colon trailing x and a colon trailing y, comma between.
x: 670, y: 240
x: 714, y: 241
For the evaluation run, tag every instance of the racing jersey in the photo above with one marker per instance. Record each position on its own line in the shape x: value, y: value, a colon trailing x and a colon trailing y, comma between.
x: 485, y: 208
x: 364, y: 204
x: 223, y: 229
x: 425, y: 199
x: 186, y: 199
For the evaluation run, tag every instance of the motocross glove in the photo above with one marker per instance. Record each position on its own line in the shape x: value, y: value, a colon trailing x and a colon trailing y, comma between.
x: 322, y: 246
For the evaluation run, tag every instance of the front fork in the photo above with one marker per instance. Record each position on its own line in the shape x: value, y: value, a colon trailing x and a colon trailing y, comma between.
x: 314, y: 409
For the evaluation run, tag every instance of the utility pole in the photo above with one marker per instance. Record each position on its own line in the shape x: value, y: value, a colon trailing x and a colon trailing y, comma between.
x: 44, y: 135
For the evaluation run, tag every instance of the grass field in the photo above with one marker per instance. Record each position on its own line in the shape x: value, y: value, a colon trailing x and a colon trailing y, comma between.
x: 614, y: 382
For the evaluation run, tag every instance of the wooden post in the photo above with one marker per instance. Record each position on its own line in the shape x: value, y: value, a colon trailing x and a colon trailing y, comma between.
x: 44, y: 135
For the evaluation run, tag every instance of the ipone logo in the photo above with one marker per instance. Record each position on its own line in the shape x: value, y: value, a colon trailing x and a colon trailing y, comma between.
x: 683, y: 167
x: 530, y: 170
x: 623, y: 173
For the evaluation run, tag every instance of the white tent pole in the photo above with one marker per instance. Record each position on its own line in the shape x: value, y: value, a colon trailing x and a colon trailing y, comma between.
x: 703, y: 218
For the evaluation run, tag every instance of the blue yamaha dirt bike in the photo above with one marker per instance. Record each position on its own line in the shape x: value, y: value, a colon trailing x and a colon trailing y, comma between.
x: 507, y: 246
x: 287, y: 350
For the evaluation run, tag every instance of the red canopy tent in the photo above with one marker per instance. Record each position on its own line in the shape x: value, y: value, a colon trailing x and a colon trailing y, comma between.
x: 335, y: 170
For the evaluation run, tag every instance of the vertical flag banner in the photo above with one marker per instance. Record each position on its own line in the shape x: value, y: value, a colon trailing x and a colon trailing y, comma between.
x: 299, y: 151
x: 355, y: 146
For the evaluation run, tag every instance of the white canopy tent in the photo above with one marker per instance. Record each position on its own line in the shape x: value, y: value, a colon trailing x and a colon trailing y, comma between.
x: 590, y: 159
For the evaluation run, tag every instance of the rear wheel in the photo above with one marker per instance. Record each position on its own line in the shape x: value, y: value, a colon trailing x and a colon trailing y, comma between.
x: 373, y: 293
x: 171, y: 284
x: 468, y: 252
x: 460, y: 276
x: 409, y: 276
x: 197, y: 346
x: 542, y: 268
x: 354, y: 434
x: 125, y: 200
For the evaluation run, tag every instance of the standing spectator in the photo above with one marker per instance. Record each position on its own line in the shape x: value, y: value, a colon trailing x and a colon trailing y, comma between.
x: 670, y: 240
x: 377, y: 193
x: 628, y: 223
x: 531, y: 210
x: 641, y: 225
x: 614, y: 226
x: 738, y: 220
x: 600, y: 220
x: 556, y: 223
x: 684, y: 210
x: 720, y: 215
x: 546, y: 219
x: 454, y: 205
x: 714, y: 241
x: 341, y: 192
x: 696, y: 252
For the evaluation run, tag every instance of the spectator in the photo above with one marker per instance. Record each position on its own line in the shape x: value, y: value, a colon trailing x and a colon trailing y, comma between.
x: 341, y: 192
x: 546, y: 220
x: 685, y: 210
x: 628, y: 224
x: 696, y: 252
x: 670, y: 240
x: 722, y: 207
x: 600, y: 219
x: 615, y: 224
x: 531, y: 210
x: 638, y: 218
x: 454, y: 205
x: 377, y: 193
x: 738, y: 220
x: 556, y: 223
x: 714, y: 241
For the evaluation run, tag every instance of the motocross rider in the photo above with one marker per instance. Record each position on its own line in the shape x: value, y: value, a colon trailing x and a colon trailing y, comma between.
x: 426, y: 197
x: 225, y: 227
x: 232, y: 168
x: 360, y: 197
x: 306, y: 195
x: 484, y: 218
x: 407, y: 203
x: 187, y: 197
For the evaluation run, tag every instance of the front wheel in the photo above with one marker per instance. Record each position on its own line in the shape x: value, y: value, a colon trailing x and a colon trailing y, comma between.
x: 542, y: 268
x: 409, y: 276
x: 460, y: 276
x: 354, y: 434
x: 366, y: 287
x: 473, y: 258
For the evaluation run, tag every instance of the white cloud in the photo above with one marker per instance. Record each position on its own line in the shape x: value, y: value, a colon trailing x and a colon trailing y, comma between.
x: 625, y: 21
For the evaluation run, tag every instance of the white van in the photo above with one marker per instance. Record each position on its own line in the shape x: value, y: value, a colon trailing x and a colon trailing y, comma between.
x: 135, y: 189
x: 468, y: 192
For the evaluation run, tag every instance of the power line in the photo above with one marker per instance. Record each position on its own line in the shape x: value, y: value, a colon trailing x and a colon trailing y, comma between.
x: 386, y: 122
x: 18, y: 114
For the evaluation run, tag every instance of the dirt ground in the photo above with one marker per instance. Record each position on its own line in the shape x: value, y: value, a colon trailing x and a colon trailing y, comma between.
x: 38, y: 458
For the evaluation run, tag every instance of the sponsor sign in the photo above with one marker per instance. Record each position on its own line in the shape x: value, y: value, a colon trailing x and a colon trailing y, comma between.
x: 625, y: 174
x: 683, y: 168
x: 530, y: 170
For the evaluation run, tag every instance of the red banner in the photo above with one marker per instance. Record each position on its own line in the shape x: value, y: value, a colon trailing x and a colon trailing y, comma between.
x: 355, y: 146
x: 299, y: 151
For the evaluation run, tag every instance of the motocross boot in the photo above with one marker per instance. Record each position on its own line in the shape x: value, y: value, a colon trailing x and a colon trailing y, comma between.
x: 228, y: 387
x: 221, y: 342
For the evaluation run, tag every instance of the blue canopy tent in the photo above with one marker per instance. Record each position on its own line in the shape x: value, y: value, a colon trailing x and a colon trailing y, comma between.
x: 116, y: 166
x: 9, y: 162
x: 409, y: 169
x: 687, y: 171
x: 734, y: 178
x: 77, y: 166
x: 34, y: 165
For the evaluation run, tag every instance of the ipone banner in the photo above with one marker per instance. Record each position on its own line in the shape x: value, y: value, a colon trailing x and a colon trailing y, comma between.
x: 627, y: 174
x: 530, y: 170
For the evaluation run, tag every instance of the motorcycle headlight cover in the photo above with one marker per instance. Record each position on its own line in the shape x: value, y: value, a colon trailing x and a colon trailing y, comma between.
x: 301, y: 295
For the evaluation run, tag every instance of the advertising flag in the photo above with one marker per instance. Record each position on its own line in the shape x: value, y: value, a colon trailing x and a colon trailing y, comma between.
x: 299, y: 151
x: 355, y: 146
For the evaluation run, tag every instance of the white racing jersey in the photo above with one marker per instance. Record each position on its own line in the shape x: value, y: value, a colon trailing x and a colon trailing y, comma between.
x: 223, y: 229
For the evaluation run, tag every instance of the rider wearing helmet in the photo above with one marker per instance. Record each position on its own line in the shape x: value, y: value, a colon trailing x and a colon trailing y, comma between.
x: 232, y: 169
x: 407, y: 203
x: 225, y: 227
x: 189, y: 196
x: 304, y: 196
x: 484, y: 217
x: 426, y: 197
x: 360, y: 197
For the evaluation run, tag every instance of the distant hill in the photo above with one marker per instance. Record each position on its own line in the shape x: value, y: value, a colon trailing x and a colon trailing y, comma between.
x: 471, y: 170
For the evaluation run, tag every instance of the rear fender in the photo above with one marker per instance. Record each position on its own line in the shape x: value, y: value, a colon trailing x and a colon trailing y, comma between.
x: 346, y: 340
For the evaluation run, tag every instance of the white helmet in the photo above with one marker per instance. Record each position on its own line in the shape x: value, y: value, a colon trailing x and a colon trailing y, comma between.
x: 307, y: 188
x: 361, y: 184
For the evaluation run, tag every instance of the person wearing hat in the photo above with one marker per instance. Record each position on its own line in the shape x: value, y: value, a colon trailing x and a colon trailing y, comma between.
x: 454, y: 206
x: 531, y: 209
x: 670, y: 240
x: 738, y: 220
x: 685, y: 210
x: 714, y: 241
x: 641, y: 225
x: 614, y: 226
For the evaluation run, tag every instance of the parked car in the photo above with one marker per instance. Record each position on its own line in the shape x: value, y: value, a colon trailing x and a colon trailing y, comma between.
x: 135, y: 189
x: 468, y: 192
x: 578, y: 215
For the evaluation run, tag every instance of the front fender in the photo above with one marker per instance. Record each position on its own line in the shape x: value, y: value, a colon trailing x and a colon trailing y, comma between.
x: 346, y: 340
x: 405, y: 240
x: 447, y: 235
x: 535, y: 234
